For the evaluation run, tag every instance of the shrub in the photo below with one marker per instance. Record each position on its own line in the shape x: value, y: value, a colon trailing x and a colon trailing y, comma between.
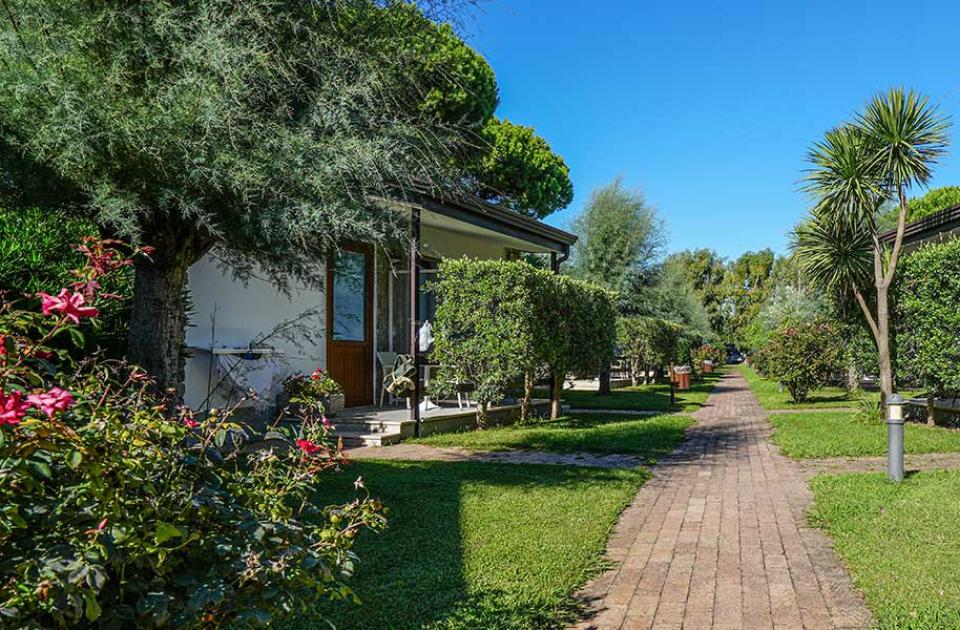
x: 37, y: 252
x: 119, y: 510
x: 707, y: 352
x: 646, y: 342
x: 801, y: 356
x: 501, y: 321
x: 927, y: 320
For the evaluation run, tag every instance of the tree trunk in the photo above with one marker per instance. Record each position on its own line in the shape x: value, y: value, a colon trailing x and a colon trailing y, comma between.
x: 853, y: 383
x: 634, y: 368
x: 555, y: 391
x: 931, y: 412
x: 482, y: 415
x: 883, y: 346
x: 527, y: 395
x: 158, y: 321
x: 604, y: 378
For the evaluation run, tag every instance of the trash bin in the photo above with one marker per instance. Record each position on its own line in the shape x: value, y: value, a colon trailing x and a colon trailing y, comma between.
x: 708, y: 367
x: 682, y: 373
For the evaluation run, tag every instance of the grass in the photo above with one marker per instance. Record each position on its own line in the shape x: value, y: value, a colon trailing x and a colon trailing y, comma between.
x: 822, y: 434
x: 650, y: 437
x: 899, y: 542
x: 479, y: 545
x: 654, y: 397
x: 771, y: 398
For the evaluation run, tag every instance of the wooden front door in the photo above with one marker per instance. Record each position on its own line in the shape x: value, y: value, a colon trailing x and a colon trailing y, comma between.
x: 349, y: 325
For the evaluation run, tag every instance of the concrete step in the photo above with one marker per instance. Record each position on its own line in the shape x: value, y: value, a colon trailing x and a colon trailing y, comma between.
x: 353, y: 437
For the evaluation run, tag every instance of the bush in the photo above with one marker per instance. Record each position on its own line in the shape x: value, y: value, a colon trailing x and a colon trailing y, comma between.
x: 501, y: 321
x: 801, y: 357
x: 37, y: 252
x: 927, y: 320
x: 646, y: 342
x: 119, y: 510
x: 707, y: 352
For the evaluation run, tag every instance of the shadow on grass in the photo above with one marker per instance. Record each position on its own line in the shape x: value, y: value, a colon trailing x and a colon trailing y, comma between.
x: 477, y: 545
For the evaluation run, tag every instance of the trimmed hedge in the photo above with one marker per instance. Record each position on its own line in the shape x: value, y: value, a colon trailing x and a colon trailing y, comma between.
x: 501, y: 321
x: 927, y: 320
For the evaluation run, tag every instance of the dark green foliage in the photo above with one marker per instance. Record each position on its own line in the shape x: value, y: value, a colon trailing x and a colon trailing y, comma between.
x: 927, y: 295
x: 37, y: 252
x: 521, y: 171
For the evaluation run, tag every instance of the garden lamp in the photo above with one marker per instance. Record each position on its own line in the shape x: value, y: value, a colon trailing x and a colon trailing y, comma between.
x: 895, y: 404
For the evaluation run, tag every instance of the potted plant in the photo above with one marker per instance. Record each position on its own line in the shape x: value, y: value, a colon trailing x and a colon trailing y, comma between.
x: 318, y: 391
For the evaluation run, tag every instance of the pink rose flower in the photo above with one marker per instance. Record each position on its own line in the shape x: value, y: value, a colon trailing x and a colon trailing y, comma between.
x: 191, y: 423
x: 52, y: 402
x: 12, y: 407
x: 308, y: 447
x: 70, y: 304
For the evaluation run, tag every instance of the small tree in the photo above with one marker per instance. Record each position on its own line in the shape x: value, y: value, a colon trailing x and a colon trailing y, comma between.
x: 801, y: 357
x: 928, y: 321
x: 647, y: 343
x: 857, y: 168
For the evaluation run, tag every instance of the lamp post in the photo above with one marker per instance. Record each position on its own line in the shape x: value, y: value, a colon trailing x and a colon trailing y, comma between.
x: 895, y: 437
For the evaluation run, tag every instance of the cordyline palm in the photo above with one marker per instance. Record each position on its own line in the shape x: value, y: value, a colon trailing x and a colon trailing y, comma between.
x: 857, y: 168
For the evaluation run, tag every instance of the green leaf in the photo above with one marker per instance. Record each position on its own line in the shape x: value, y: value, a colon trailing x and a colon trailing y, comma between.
x: 166, y: 531
x: 74, y: 459
x: 92, y: 609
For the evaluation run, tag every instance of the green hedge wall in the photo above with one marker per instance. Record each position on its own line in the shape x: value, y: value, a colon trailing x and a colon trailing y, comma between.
x: 501, y: 321
x: 927, y: 318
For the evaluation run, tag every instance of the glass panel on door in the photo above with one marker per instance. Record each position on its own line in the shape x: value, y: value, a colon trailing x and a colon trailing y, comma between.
x: 349, y: 296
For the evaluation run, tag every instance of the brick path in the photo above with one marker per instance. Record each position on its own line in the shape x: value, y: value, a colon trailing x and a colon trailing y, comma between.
x: 718, y: 538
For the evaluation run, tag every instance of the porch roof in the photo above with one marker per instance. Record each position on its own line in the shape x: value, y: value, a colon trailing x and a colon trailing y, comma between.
x: 528, y: 233
x: 941, y: 226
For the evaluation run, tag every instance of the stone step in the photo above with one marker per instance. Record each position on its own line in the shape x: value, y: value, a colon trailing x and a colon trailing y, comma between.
x: 353, y: 437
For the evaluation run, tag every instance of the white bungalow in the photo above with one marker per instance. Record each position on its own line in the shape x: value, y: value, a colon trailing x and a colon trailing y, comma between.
x: 250, y: 335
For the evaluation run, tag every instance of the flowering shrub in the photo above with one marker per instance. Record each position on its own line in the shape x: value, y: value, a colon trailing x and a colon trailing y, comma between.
x: 119, y: 509
x: 312, y: 390
x: 801, y: 356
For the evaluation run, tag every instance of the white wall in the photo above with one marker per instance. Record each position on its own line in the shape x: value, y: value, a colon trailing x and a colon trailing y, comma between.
x: 245, y: 313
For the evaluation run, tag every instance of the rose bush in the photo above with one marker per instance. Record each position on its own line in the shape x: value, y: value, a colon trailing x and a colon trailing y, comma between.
x: 119, y: 509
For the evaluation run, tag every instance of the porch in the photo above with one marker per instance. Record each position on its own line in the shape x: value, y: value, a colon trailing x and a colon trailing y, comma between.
x: 380, y: 426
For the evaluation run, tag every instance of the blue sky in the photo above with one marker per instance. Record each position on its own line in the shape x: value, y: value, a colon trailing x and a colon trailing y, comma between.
x: 707, y: 106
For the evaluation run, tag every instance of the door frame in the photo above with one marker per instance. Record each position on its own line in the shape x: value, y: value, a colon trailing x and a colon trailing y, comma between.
x: 369, y: 342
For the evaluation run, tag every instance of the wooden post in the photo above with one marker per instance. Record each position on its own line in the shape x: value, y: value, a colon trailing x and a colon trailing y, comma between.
x: 554, y: 387
x: 415, y: 316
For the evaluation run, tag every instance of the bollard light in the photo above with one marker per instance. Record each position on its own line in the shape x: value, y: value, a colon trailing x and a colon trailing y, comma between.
x: 895, y: 404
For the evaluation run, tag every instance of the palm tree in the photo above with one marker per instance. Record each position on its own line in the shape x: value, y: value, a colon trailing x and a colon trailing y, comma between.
x: 857, y: 169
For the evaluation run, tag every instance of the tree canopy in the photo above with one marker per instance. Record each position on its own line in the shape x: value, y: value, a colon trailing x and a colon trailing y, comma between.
x: 261, y: 127
x: 521, y: 171
x: 935, y: 200
x: 620, y: 237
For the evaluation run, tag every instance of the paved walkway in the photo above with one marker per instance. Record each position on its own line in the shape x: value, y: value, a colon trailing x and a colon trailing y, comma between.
x: 718, y: 538
x: 421, y: 452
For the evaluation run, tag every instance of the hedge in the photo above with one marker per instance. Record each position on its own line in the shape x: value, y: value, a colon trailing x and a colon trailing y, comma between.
x: 501, y: 321
x: 927, y: 320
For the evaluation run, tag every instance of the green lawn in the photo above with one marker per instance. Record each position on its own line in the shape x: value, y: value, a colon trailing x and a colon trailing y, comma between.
x: 899, y: 542
x: 770, y: 396
x: 819, y: 434
x: 650, y: 437
x: 645, y: 397
x: 479, y: 545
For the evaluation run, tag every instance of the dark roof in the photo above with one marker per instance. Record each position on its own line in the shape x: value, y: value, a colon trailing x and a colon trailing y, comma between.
x: 476, y: 211
x: 927, y: 228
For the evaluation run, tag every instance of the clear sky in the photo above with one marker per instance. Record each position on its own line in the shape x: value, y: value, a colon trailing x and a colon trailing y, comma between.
x: 709, y: 106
